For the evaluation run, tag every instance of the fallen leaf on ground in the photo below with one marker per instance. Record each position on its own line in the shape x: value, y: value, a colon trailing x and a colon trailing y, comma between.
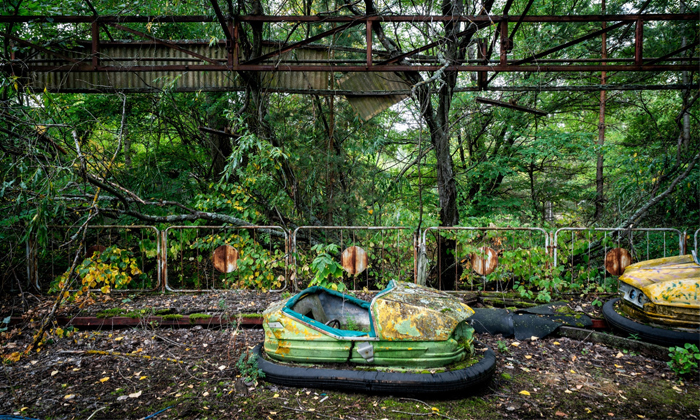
x: 69, y: 396
x: 556, y: 343
x: 105, y: 379
x: 561, y: 414
x: 135, y: 395
x: 619, y: 354
x: 524, y: 393
x: 54, y: 372
x: 515, y: 344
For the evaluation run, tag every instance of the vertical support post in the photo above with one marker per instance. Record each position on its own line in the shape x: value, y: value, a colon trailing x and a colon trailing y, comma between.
x: 229, y: 47
x: 638, y: 35
x: 236, y: 28
x: 32, y: 263
x: 163, y: 260
x: 95, y: 45
x: 504, y: 42
x: 369, y: 44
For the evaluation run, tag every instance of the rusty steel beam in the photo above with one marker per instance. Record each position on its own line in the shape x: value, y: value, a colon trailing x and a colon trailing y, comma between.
x: 346, y: 19
x: 300, y: 43
x: 40, y: 48
x: 340, y: 92
x: 164, y: 42
x: 495, y: 102
x: 355, y: 69
x: 570, y: 43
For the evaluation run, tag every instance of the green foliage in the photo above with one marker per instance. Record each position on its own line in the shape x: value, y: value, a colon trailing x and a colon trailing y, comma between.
x: 502, y: 347
x: 326, y: 269
x: 171, y: 317
x: 248, y: 367
x: 111, y: 268
x: 684, y: 360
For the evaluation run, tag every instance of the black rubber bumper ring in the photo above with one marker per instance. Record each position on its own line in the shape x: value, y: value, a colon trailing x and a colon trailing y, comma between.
x: 647, y: 333
x: 439, y: 384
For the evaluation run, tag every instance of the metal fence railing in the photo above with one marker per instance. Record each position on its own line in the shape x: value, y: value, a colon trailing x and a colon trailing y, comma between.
x: 601, y: 254
x: 371, y: 256
x: 207, y: 258
x: 224, y: 257
x: 53, y: 255
x: 481, y: 257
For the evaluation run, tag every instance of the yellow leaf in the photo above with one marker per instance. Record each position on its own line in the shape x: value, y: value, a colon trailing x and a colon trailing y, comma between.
x: 556, y: 343
x: 588, y: 410
x: 69, y: 396
x: 435, y: 409
x: 527, y: 356
x: 104, y: 289
x: 573, y: 371
x: 119, y: 339
x: 142, y: 378
x: 59, y: 332
x: 515, y: 344
x: 524, y: 393
x: 276, y: 396
x: 105, y: 379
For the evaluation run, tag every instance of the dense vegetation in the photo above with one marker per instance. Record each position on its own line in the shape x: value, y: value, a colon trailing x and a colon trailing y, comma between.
x: 438, y: 158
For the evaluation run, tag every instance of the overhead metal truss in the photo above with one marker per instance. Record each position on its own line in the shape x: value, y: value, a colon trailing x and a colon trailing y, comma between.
x: 89, y: 56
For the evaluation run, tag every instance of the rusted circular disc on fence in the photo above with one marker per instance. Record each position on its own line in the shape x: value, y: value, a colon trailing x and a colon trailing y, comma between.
x: 616, y: 260
x: 226, y: 258
x: 354, y: 260
x: 95, y: 248
x: 486, y: 264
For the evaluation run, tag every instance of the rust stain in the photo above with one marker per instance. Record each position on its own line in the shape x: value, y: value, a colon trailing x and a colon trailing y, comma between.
x: 616, y: 260
x: 484, y: 265
x: 95, y: 248
x: 226, y: 259
x: 354, y: 260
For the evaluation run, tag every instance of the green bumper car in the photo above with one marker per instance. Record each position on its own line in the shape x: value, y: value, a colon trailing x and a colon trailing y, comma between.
x: 409, y: 339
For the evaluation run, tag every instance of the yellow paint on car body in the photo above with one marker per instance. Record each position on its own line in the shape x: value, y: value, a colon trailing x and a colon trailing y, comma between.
x: 672, y: 287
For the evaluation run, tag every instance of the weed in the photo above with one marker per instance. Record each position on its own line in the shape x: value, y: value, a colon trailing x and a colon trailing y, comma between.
x: 597, y: 303
x: 248, y: 367
x: 684, y: 360
x: 503, y: 347
x: 633, y: 336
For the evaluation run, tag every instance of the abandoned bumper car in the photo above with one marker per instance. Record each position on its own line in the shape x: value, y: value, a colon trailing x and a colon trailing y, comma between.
x: 409, y: 339
x: 659, y: 301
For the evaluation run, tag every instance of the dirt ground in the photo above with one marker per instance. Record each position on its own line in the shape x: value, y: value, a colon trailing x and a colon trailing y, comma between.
x: 192, y: 373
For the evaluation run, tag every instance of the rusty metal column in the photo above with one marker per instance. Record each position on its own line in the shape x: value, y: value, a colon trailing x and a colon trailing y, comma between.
x: 229, y: 47
x: 638, y: 34
x: 369, y: 44
x: 236, y: 28
x: 95, y: 45
x: 504, y: 42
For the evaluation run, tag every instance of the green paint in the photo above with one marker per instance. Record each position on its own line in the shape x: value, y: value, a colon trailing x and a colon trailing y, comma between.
x: 406, y: 328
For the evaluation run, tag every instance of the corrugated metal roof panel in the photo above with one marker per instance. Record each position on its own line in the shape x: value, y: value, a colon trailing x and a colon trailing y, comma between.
x: 369, y: 106
x: 125, y: 55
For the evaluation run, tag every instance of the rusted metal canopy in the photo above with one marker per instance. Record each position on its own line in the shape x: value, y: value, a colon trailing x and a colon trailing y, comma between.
x: 226, y: 258
x: 616, y: 260
x: 354, y: 260
x: 95, y: 248
x: 484, y: 265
